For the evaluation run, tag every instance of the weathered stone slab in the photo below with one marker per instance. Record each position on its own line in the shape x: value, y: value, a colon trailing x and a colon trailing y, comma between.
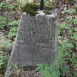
x: 35, y: 41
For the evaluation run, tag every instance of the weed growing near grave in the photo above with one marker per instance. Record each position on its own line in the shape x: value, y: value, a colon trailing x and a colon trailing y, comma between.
x: 3, y: 62
x: 5, y: 6
x: 12, y: 33
x: 49, y: 71
x: 3, y: 22
x: 67, y: 40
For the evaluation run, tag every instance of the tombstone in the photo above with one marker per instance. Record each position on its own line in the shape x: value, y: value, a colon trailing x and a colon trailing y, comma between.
x: 36, y: 41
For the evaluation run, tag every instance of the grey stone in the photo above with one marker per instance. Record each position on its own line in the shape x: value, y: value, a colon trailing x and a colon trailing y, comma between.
x: 36, y: 41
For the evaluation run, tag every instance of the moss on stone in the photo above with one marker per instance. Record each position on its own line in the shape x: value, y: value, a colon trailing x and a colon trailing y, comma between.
x: 47, y: 12
x: 31, y: 12
x: 33, y: 8
x: 30, y: 8
x: 48, y: 8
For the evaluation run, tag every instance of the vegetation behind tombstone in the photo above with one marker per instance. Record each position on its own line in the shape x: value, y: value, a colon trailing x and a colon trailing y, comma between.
x: 32, y: 8
x: 67, y: 38
x: 9, y: 16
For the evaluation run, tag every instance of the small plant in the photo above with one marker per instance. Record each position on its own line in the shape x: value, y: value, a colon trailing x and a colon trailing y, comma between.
x: 3, y: 22
x: 71, y: 11
x: 4, y: 5
x: 12, y: 33
x: 12, y: 23
x: 6, y: 46
x: 72, y: 20
x: 75, y: 21
x: 3, y: 61
x: 49, y: 71
x: 44, y: 70
x: 74, y: 36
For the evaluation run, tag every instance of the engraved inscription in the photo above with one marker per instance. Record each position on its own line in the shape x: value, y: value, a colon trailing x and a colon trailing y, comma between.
x: 35, y: 40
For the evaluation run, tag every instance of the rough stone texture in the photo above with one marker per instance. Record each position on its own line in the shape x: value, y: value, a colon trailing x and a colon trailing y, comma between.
x: 36, y: 41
